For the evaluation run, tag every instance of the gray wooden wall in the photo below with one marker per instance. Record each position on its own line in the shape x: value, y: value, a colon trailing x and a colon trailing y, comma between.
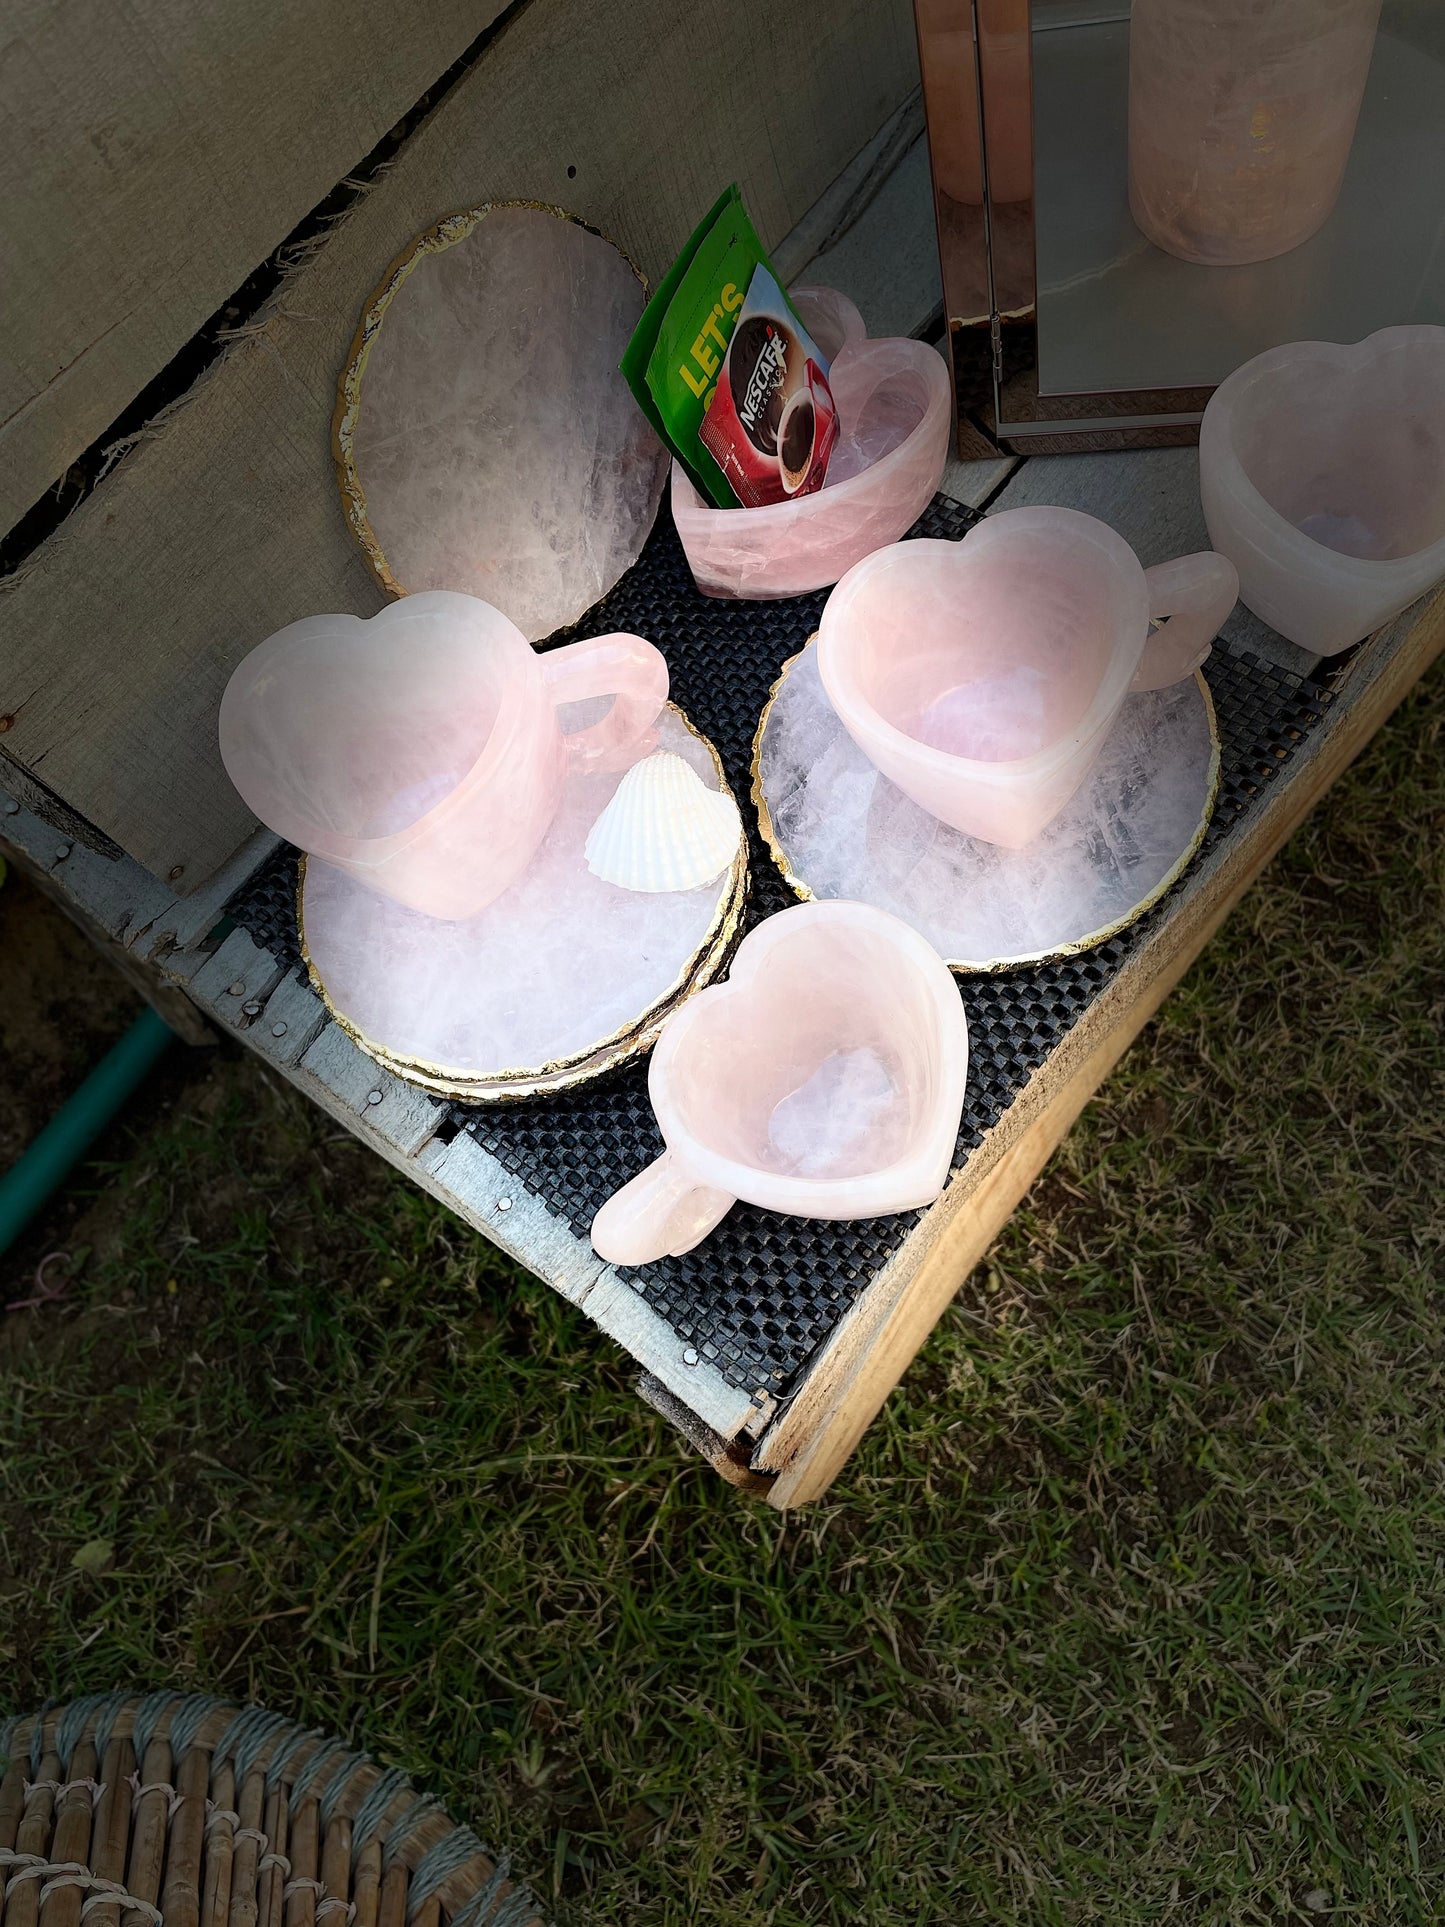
x: 153, y: 153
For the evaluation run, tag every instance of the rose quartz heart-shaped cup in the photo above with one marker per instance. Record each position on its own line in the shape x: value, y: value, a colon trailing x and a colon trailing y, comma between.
x: 825, y: 1079
x: 983, y: 676
x: 895, y: 415
x: 1322, y: 472
x: 420, y: 751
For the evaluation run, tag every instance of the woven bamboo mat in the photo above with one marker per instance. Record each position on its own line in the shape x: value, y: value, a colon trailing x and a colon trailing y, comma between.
x: 178, y: 1810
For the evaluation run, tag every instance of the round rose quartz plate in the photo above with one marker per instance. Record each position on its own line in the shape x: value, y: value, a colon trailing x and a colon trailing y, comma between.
x: 558, y: 980
x: 485, y: 438
x: 837, y: 828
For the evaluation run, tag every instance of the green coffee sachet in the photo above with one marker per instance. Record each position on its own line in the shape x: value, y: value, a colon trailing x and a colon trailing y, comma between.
x: 676, y: 352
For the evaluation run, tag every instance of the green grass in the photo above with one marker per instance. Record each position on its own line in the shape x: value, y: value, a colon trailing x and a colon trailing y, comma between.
x: 1130, y: 1609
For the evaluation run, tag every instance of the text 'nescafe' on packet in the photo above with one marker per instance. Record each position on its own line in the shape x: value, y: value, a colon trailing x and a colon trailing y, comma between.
x: 726, y: 373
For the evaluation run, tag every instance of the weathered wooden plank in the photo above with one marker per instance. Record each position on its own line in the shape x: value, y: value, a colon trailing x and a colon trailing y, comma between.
x: 394, y: 1116
x: 186, y: 920
x: 293, y: 1019
x: 129, y: 905
x: 626, y: 1316
x: 862, y: 1361
x: 22, y: 786
x: 235, y: 981
x: 241, y: 986
x: 123, y: 628
x: 729, y: 1456
x: 400, y: 1121
x: 151, y: 156
x: 1151, y: 496
x: 120, y: 898
x: 30, y: 845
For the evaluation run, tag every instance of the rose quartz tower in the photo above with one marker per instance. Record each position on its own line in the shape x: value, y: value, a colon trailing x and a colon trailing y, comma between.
x: 1241, y: 117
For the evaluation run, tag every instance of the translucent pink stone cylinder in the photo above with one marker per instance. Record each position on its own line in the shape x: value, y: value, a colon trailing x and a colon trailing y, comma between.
x: 1241, y: 117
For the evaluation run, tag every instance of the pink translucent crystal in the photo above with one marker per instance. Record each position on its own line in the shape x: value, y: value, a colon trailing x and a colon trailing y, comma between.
x: 846, y: 831
x: 499, y: 448
x: 1241, y: 118
x: 420, y: 751
x: 830, y: 318
x: 825, y: 1079
x: 983, y: 676
x: 895, y: 410
x: 1322, y: 471
x: 557, y: 964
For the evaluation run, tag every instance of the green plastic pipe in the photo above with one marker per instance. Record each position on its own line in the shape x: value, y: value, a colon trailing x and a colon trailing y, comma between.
x: 29, y: 1182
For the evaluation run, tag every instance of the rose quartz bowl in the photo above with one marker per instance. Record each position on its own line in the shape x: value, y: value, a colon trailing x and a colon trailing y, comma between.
x: 420, y: 750
x: 895, y: 410
x: 1322, y: 472
x: 824, y: 1079
x: 983, y: 676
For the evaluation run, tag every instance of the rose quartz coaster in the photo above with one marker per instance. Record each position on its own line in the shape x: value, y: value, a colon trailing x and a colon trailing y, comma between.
x: 484, y: 436
x: 618, y: 1050
x: 561, y: 974
x: 837, y: 828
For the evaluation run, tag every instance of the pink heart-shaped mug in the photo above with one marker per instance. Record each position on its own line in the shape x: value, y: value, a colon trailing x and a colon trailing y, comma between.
x: 983, y: 676
x: 1322, y: 473
x: 420, y: 750
x: 825, y: 1078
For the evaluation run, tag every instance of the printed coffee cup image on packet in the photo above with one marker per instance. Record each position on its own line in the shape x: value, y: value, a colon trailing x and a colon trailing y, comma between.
x: 771, y: 424
x: 726, y: 373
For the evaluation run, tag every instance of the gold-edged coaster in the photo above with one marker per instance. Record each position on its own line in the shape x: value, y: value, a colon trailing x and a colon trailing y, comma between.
x: 612, y: 1056
x: 481, y: 401
x: 454, y: 1005
x: 837, y: 828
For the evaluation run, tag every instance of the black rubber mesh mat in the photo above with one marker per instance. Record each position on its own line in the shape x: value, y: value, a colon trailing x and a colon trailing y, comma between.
x: 761, y: 1293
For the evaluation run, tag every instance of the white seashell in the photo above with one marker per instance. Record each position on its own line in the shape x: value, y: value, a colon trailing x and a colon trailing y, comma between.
x: 664, y: 829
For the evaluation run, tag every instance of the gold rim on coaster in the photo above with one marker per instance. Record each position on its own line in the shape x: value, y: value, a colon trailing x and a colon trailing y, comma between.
x: 607, y: 1052
x: 445, y: 233
x: 500, y: 1092
x: 992, y: 965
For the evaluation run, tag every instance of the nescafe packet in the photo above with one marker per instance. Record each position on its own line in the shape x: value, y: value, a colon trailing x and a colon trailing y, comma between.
x: 771, y: 424
x: 726, y: 373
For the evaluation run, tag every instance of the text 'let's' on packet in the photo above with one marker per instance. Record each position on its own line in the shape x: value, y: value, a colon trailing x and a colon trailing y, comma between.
x: 726, y: 373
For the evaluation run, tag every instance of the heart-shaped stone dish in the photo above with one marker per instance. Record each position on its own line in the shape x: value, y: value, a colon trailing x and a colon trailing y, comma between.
x: 837, y: 828
x: 419, y: 750
x: 895, y: 409
x: 983, y: 676
x: 824, y: 1079
x: 1322, y: 471
x: 560, y: 978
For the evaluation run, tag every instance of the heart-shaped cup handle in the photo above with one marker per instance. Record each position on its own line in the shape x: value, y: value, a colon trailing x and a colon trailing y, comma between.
x: 660, y: 1214
x: 1190, y: 599
x: 628, y: 669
